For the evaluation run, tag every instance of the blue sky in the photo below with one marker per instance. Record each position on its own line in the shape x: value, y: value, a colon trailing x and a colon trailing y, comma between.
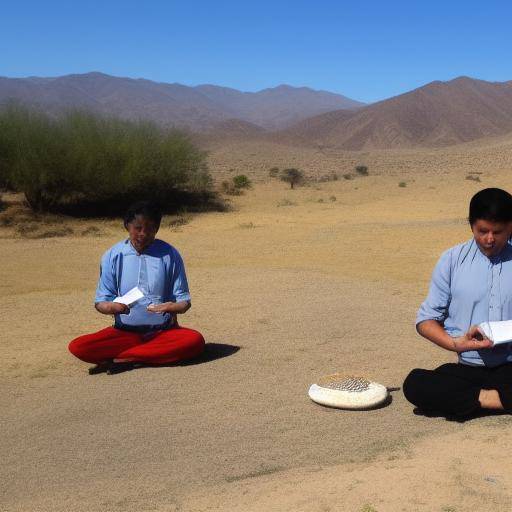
x: 365, y: 50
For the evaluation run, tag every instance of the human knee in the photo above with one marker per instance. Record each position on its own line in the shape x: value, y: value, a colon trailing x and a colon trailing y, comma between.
x: 412, y: 383
x: 78, y: 347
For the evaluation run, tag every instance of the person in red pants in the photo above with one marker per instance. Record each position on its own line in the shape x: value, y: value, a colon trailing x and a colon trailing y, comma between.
x: 145, y: 331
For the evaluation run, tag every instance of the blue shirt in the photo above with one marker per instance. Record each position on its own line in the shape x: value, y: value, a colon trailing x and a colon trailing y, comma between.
x: 158, y: 272
x: 469, y: 288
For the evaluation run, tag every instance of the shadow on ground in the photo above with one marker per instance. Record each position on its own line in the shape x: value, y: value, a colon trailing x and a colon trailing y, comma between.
x: 212, y: 352
x: 482, y: 413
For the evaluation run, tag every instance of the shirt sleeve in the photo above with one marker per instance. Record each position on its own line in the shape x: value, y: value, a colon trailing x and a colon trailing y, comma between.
x: 435, y: 306
x: 107, y: 289
x: 179, y: 283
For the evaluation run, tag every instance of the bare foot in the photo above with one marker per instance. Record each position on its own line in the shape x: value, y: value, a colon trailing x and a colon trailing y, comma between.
x: 490, y: 399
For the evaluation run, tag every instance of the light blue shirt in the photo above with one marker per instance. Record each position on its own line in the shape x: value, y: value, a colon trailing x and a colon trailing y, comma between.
x: 469, y: 288
x: 158, y: 272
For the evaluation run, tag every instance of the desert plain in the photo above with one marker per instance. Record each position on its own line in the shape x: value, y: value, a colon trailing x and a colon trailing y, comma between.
x: 287, y: 286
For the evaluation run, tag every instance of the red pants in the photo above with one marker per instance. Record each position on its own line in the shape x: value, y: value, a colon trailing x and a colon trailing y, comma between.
x: 169, y: 346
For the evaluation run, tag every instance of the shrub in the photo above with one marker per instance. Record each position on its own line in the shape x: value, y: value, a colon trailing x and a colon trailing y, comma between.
x: 96, y: 165
x: 362, y: 170
x: 328, y: 177
x: 348, y: 176
x: 292, y: 176
x: 273, y: 172
x: 228, y: 187
x: 286, y: 202
x: 473, y: 178
x: 242, y: 181
x: 402, y: 184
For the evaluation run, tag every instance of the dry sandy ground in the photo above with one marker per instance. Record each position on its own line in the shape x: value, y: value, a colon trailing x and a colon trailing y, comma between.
x: 303, y: 288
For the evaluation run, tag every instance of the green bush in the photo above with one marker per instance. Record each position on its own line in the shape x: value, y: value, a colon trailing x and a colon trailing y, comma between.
x: 292, y: 176
x: 242, y: 181
x: 95, y: 165
x: 362, y: 170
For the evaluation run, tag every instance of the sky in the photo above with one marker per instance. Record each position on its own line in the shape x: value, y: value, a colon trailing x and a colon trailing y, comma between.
x: 367, y: 51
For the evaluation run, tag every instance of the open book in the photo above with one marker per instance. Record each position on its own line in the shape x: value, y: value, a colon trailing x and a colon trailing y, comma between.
x: 130, y: 297
x: 498, y: 332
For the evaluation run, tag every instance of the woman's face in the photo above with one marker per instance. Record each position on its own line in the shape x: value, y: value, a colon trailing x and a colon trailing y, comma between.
x: 490, y: 236
x: 142, y: 232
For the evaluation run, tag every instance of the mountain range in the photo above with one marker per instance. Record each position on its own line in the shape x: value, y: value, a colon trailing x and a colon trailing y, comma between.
x: 198, y: 108
x: 435, y: 115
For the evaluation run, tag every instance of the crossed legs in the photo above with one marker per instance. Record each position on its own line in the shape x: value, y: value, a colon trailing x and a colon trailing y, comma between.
x: 170, y: 346
x: 460, y: 390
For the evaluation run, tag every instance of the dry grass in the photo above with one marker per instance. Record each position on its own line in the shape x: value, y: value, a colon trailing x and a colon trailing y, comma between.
x: 305, y: 290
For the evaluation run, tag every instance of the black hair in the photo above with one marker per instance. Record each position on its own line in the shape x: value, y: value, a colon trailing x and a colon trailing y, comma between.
x: 147, y: 209
x: 492, y: 204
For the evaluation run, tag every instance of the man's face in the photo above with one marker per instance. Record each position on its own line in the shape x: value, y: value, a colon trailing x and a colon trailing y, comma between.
x: 142, y: 232
x: 490, y: 236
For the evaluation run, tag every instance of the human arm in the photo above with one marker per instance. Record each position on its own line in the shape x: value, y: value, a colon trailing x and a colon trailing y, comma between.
x: 435, y: 310
x: 473, y: 339
x: 111, y: 308
x: 106, y: 290
x: 175, y: 308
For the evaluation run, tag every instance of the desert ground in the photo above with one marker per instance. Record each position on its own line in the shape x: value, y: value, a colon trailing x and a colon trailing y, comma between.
x: 287, y: 286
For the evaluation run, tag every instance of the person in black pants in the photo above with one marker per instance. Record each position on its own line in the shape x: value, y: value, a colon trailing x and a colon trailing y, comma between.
x: 471, y: 284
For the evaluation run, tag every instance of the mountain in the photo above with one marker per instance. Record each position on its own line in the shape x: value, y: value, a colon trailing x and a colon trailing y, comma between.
x: 277, y: 107
x: 435, y: 115
x: 198, y: 108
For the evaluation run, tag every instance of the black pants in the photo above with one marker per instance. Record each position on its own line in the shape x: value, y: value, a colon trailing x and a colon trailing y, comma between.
x: 453, y: 389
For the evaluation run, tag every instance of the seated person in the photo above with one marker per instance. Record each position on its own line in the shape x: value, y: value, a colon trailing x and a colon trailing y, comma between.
x: 471, y: 284
x: 147, y: 332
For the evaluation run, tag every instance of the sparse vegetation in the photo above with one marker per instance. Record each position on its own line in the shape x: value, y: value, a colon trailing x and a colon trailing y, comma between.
x: 473, y: 177
x: 362, y: 170
x: 348, y: 176
x: 329, y: 177
x: 286, y: 202
x: 175, y: 223
x: 247, y: 225
x: 91, y: 231
x: 236, y: 185
x: 292, y: 176
x: 242, y: 181
x: 86, y: 164
x: 228, y: 188
x: 402, y: 184
x: 332, y: 199
x: 273, y: 172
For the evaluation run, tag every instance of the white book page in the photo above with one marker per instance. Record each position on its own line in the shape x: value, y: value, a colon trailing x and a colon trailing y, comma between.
x: 130, y: 297
x: 498, y: 332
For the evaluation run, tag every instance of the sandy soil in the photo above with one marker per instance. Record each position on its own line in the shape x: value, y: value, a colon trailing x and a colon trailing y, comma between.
x: 289, y: 286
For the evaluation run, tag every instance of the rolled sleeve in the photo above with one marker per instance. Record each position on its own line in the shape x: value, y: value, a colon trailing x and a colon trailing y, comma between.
x: 435, y: 306
x: 180, y: 289
x: 107, y: 289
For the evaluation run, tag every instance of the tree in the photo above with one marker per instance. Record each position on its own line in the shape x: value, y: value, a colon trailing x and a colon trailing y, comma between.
x: 292, y: 176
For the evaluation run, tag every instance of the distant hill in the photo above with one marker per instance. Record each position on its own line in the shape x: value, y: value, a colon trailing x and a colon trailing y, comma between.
x: 198, y: 108
x: 437, y: 114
